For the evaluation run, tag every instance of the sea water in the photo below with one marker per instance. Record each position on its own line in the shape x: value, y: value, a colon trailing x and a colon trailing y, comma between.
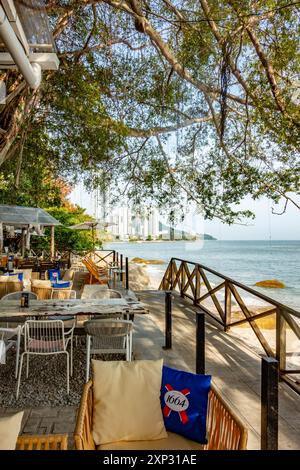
x: 245, y: 261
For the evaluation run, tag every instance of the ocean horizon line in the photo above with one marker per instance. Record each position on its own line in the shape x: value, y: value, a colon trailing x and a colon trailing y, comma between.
x: 216, y: 240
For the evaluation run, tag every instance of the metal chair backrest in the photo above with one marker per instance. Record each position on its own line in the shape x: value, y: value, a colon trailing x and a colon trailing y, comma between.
x: 44, y: 336
x: 109, y: 335
x: 108, y: 328
x: 108, y: 294
x: 18, y: 295
x: 62, y: 294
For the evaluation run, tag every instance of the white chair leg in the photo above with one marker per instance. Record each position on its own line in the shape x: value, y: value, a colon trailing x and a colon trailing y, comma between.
x: 71, y: 357
x: 20, y: 373
x: 18, y: 352
x: 130, y: 345
x: 68, y: 372
x: 88, y: 353
x: 127, y: 348
x: 27, y: 366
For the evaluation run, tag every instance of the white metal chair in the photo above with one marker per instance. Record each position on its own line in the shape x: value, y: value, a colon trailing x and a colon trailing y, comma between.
x: 18, y: 295
x: 108, y: 336
x: 11, y: 337
x: 107, y: 294
x: 62, y: 294
x: 46, y: 337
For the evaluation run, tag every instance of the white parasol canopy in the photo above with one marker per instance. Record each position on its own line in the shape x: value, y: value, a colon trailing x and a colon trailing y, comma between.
x: 92, y: 224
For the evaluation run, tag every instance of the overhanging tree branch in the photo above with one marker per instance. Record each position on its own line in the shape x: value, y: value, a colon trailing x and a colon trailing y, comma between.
x: 146, y: 27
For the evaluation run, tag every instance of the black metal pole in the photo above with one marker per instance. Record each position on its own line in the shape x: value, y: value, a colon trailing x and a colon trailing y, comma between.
x: 114, y: 256
x: 126, y: 273
x: 168, y: 320
x: 121, y: 266
x: 269, y: 403
x: 200, y: 343
x: 117, y: 258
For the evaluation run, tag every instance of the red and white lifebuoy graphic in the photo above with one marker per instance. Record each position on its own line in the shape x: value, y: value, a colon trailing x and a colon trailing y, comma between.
x: 177, y: 401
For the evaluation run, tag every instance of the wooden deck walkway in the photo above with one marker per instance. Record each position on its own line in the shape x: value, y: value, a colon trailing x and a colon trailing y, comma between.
x: 234, y: 364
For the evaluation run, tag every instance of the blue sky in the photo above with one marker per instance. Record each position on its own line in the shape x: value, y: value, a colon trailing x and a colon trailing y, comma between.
x: 265, y: 226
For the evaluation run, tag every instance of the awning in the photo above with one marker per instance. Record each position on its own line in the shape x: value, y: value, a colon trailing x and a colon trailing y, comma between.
x: 21, y: 216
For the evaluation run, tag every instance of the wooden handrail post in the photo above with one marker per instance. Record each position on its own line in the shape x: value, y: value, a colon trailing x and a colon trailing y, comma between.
x: 168, y: 320
x: 126, y: 273
x: 114, y: 256
x: 269, y: 403
x: 280, y: 339
x: 227, y: 306
x: 200, y: 342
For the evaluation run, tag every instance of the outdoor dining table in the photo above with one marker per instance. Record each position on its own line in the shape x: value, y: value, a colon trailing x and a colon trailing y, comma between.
x: 11, y: 310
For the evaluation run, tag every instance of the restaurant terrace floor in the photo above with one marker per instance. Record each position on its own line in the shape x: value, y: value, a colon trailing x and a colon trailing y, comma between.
x: 235, y: 367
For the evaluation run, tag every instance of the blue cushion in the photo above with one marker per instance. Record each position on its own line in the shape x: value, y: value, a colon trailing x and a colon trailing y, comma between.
x: 62, y: 285
x: 54, y: 274
x: 20, y: 275
x: 184, y: 398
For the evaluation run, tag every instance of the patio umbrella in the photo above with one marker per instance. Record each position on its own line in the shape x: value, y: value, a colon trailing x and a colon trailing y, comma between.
x: 92, y: 225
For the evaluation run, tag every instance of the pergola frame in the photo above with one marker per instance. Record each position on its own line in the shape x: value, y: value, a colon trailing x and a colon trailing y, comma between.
x: 23, y: 218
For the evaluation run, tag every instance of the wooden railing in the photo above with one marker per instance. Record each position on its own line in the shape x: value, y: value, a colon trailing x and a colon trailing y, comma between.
x: 104, y: 259
x: 223, y: 299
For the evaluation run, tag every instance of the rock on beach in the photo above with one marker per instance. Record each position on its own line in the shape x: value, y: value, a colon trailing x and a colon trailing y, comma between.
x: 271, y: 283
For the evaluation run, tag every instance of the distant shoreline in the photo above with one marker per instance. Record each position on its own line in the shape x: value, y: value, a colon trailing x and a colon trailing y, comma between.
x: 246, y: 240
x: 161, y: 241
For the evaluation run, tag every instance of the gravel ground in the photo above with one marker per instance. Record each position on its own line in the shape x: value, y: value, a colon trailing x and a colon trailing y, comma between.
x: 46, y: 385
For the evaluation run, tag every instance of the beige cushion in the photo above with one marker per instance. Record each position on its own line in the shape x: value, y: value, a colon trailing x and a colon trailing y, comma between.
x: 172, y: 442
x: 26, y: 273
x: 41, y: 283
x: 10, y: 427
x: 69, y: 275
x: 9, y: 278
x: 127, y: 401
